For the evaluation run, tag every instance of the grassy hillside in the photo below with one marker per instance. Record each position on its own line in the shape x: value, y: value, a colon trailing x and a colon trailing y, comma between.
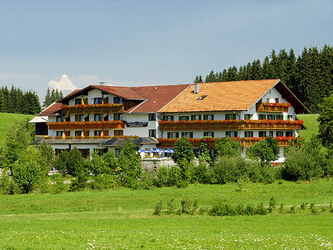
x: 311, y: 124
x: 122, y: 219
x: 7, y: 120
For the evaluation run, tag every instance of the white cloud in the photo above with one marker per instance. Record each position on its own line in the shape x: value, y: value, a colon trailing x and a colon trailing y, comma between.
x: 63, y: 84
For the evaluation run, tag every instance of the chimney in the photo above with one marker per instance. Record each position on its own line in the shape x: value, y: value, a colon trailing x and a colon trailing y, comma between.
x: 196, y: 88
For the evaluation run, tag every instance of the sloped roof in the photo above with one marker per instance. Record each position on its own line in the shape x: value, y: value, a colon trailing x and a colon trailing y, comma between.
x: 157, y: 97
x: 52, y: 109
x: 220, y: 96
x: 124, y: 92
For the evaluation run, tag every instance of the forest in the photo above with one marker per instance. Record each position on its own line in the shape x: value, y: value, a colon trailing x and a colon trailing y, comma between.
x: 309, y: 75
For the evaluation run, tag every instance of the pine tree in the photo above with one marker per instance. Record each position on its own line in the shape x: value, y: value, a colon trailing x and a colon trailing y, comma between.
x: 47, y: 100
x: 2, y: 102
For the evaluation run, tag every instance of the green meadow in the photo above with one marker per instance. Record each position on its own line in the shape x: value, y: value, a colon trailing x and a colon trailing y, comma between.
x: 311, y: 124
x: 7, y: 120
x: 123, y: 218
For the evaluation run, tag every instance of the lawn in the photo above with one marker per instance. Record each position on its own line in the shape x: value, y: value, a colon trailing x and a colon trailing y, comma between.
x: 7, y: 120
x: 122, y: 218
x: 311, y: 124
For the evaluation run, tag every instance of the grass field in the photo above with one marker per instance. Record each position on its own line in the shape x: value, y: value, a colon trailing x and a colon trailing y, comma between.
x: 123, y: 218
x: 311, y: 124
x: 7, y: 120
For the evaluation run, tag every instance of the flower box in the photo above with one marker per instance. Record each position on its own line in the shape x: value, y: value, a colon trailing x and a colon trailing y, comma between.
x: 87, y: 125
x: 273, y: 107
x: 93, y: 108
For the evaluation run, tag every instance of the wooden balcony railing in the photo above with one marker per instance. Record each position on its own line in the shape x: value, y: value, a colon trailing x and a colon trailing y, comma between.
x: 87, y: 125
x: 283, y: 141
x: 230, y: 124
x: 273, y: 107
x: 93, y: 108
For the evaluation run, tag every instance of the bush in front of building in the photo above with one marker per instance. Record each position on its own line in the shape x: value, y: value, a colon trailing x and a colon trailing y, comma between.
x: 226, y: 147
x: 264, y: 150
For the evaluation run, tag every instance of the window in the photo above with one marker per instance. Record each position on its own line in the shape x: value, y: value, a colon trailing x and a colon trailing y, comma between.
x: 97, y: 132
x: 279, y: 117
x: 59, y: 118
x: 169, y: 118
x: 270, y: 117
x: 230, y: 116
x: 248, y: 133
x: 98, y: 100
x: 290, y: 118
x: 118, y: 132
x: 118, y: 117
x: 279, y: 133
x: 201, y: 97
x: 231, y: 133
x: 208, y: 117
x: 78, y: 133
x: 187, y: 134
x: 173, y: 135
x: 79, y: 118
x: 184, y: 118
x: 262, y: 133
x: 59, y: 133
x: 195, y: 117
x: 208, y: 133
x: 117, y: 99
x: 78, y: 101
x: 247, y: 116
x: 289, y: 133
x: 152, y: 117
x: 106, y: 118
x: 152, y: 132
x: 262, y: 117
x: 277, y: 100
x: 271, y: 133
x: 98, y: 117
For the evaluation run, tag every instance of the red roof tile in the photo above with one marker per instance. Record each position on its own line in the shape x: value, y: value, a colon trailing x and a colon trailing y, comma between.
x: 157, y: 97
x: 52, y: 109
x: 124, y: 92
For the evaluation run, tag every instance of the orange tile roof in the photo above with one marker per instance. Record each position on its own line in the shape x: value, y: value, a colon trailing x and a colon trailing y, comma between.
x: 220, y: 96
x: 124, y: 92
x: 52, y: 109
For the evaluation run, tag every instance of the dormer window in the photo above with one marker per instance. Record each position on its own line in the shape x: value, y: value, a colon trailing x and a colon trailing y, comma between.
x: 201, y: 97
x: 117, y: 99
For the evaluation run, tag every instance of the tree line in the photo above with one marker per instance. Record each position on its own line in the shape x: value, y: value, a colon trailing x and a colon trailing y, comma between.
x: 17, y: 101
x: 309, y: 76
x: 52, y: 96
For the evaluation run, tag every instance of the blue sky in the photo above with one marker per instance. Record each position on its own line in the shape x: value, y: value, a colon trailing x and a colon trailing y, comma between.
x: 130, y: 43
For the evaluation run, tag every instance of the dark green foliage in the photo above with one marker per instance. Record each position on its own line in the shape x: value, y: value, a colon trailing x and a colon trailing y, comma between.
x: 57, y: 184
x: 103, y: 163
x: 183, y: 151
x: 18, y: 138
x: 5, y: 182
x: 30, y: 171
x: 265, y: 150
x: 227, y: 147
x: 227, y: 169
x: 47, y: 152
x: 326, y: 121
x: 307, y: 162
x: 309, y: 76
x: 79, y: 183
x: 71, y: 163
x: 271, y: 204
x: 130, y: 163
x: 199, y: 173
x: 171, y: 206
x: 205, y: 154
x: 162, y: 177
x: 51, y: 97
x: 17, y: 101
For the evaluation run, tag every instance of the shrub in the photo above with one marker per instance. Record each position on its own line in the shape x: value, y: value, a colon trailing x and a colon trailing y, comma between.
x: 226, y: 147
x: 249, y: 210
x: 158, y: 208
x: 171, y: 207
x: 174, y: 176
x: 265, y: 150
x: 57, y: 184
x: 186, y: 205
x: 5, y: 182
x: 227, y: 169
x: 271, y: 204
x: 183, y: 151
x: 199, y: 173
x: 162, y: 177
x: 79, y: 183
x: 104, y: 163
x: 260, y: 209
x: 146, y: 181
x: 103, y: 181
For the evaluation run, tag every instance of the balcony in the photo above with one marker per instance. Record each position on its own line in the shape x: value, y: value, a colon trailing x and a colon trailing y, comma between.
x: 283, y: 141
x: 93, y: 108
x: 87, y: 125
x: 273, y: 107
x: 231, y: 124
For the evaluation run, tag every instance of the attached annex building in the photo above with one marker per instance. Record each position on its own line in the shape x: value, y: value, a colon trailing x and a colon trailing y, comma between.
x: 101, y: 116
